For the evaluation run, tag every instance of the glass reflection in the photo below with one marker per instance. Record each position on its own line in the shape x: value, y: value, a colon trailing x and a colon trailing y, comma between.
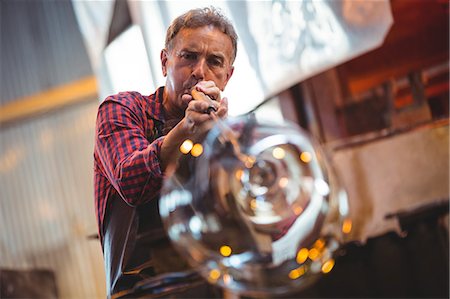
x: 250, y: 213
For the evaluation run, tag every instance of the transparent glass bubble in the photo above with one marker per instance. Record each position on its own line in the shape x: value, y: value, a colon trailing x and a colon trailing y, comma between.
x: 256, y: 208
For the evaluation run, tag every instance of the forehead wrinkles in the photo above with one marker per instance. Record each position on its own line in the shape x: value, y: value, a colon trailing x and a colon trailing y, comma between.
x: 201, y: 39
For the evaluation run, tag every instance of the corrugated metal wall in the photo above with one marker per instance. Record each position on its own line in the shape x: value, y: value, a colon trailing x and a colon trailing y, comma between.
x: 46, y: 206
x: 41, y: 47
x: 46, y: 187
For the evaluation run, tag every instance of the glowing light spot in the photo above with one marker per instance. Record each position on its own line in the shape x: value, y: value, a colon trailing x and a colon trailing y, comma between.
x: 327, y: 266
x: 239, y: 173
x: 227, y: 279
x: 186, y: 146
x: 197, y: 150
x: 298, y: 210
x: 249, y: 162
x: 319, y: 244
x: 278, y: 153
x: 253, y: 204
x: 306, y: 157
x: 214, y: 274
x: 347, y: 226
x: 195, y: 225
x: 283, y: 182
x: 314, y: 254
x: 322, y: 187
x: 302, y: 255
x: 296, y: 273
x: 225, y: 250
x: 11, y: 158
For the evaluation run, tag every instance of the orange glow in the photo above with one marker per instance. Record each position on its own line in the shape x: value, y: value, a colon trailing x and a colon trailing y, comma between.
x: 314, y: 254
x: 227, y: 279
x: 214, y: 274
x: 302, y: 255
x: 186, y: 146
x: 278, y: 153
x: 347, y: 226
x: 298, y: 210
x: 305, y: 157
x: 319, y: 244
x: 296, y: 273
x: 249, y: 162
x: 328, y: 266
x: 197, y: 150
x: 239, y: 173
x: 225, y: 250
x: 253, y: 204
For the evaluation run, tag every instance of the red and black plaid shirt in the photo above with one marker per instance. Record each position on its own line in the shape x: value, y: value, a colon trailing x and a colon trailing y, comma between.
x: 126, y: 154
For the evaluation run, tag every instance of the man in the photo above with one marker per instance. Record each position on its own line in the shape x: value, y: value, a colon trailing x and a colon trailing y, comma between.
x: 136, y: 139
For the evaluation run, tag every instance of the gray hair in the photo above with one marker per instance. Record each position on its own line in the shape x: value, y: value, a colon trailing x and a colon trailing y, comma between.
x: 200, y: 17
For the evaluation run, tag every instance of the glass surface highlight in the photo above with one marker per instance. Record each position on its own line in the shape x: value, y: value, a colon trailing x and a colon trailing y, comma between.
x: 259, y: 211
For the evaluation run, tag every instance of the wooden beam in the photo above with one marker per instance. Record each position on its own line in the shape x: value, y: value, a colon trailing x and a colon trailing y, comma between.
x: 51, y: 99
x: 418, y: 39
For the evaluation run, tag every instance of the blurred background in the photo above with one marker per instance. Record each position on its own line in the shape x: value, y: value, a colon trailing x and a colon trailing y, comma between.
x: 368, y: 79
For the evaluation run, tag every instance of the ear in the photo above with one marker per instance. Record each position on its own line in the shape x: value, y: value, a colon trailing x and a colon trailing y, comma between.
x: 163, y: 57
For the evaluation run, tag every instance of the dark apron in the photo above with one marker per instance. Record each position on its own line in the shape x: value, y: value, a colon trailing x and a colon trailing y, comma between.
x: 139, y: 259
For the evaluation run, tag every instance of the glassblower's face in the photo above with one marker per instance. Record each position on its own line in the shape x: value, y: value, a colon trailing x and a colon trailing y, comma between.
x: 197, y: 54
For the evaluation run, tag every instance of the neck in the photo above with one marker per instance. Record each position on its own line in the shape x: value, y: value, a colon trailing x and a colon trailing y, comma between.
x: 173, y: 115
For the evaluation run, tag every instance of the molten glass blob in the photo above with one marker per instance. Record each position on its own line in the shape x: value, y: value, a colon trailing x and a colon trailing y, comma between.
x: 259, y: 211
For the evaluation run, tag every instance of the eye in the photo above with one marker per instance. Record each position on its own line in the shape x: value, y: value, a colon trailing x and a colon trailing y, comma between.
x: 188, y: 55
x: 215, y: 61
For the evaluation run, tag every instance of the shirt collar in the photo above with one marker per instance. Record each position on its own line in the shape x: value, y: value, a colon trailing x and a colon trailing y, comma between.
x: 156, y: 109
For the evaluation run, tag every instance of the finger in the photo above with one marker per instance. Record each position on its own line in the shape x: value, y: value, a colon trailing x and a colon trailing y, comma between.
x: 200, y: 119
x: 195, y: 121
x: 190, y: 124
x: 223, y: 108
x: 224, y: 102
x: 209, y: 88
x: 201, y: 97
x: 203, y: 106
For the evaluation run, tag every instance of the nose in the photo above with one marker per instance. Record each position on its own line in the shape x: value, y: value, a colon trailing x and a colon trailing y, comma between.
x: 199, y: 70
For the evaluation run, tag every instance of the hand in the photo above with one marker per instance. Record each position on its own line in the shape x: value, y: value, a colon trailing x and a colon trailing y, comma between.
x: 195, y: 122
x: 206, y: 96
x: 210, y: 89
